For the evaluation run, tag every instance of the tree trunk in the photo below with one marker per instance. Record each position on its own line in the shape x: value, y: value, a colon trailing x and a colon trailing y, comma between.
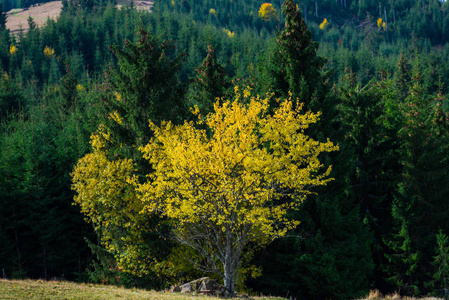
x: 229, y: 280
x: 229, y: 268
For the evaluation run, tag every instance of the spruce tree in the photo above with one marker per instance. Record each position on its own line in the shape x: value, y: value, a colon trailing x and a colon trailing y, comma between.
x: 3, y: 17
x: 441, y: 264
x: 322, y: 259
x: 370, y: 126
x: 210, y: 83
x: 145, y: 86
x: 420, y: 207
x: 296, y: 66
x: 402, y: 77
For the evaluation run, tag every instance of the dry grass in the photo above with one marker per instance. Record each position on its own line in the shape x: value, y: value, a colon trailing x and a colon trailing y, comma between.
x: 39, y: 289
x: 376, y: 295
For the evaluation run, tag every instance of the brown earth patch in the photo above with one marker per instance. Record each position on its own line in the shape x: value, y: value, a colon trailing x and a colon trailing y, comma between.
x: 17, y: 18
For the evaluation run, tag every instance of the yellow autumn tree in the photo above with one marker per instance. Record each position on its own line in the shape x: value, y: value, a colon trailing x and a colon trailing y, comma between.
x: 225, y: 185
x: 12, y: 49
x: 381, y: 23
x: 324, y: 24
x: 229, y: 32
x: 267, y: 12
x: 48, y: 51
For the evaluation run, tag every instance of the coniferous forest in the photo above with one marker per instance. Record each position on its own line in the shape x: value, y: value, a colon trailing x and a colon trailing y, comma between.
x: 76, y: 96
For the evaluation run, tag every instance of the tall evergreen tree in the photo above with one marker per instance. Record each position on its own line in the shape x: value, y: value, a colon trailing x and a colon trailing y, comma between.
x: 324, y: 249
x: 3, y: 17
x: 296, y: 66
x: 210, y: 83
x: 420, y: 207
x: 145, y: 86
x: 370, y: 126
x: 402, y: 77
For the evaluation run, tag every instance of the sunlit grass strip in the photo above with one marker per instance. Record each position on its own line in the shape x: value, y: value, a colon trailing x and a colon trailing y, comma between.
x: 40, y: 289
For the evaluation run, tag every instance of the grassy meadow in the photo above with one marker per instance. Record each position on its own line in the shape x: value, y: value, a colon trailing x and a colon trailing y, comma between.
x: 49, y: 290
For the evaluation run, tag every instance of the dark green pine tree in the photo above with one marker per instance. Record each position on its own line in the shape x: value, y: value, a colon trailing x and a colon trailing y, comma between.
x: 210, y: 83
x: 296, y: 67
x: 329, y: 254
x: 11, y: 98
x: 420, y: 209
x: 44, y: 230
x: 68, y: 87
x: 145, y: 86
x: 368, y: 116
x: 402, y: 77
x: 3, y: 17
x: 440, y: 284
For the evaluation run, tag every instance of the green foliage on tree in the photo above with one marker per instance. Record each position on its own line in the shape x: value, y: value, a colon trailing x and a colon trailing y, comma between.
x: 145, y: 86
x: 297, y: 68
x: 402, y: 77
x: 420, y: 207
x: 3, y: 17
x: 11, y: 98
x: 210, y: 83
x: 441, y: 263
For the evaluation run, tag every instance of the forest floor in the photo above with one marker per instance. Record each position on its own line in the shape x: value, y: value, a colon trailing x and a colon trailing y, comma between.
x: 18, y: 18
x: 52, y: 290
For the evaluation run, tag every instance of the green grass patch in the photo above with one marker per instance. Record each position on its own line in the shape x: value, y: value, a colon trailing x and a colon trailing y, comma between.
x: 46, y: 290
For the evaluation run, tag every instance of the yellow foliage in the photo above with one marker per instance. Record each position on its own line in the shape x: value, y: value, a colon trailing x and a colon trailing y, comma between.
x: 324, y: 24
x: 223, y: 181
x: 108, y: 200
x: 229, y: 33
x: 118, y: 96
x: 13, y: 49
x: 48, y: 51
x: 379, y: 22
x: 234, y: 173
x: 116, y: 117
x: 79, y: 87
x: 212, y: 12
x: 267, y: 12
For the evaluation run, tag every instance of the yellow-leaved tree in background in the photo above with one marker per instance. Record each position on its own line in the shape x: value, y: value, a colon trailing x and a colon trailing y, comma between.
x: 324, y: 24
x: 381, y: 23
x: 267, y: 12
x: 232, y: 182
